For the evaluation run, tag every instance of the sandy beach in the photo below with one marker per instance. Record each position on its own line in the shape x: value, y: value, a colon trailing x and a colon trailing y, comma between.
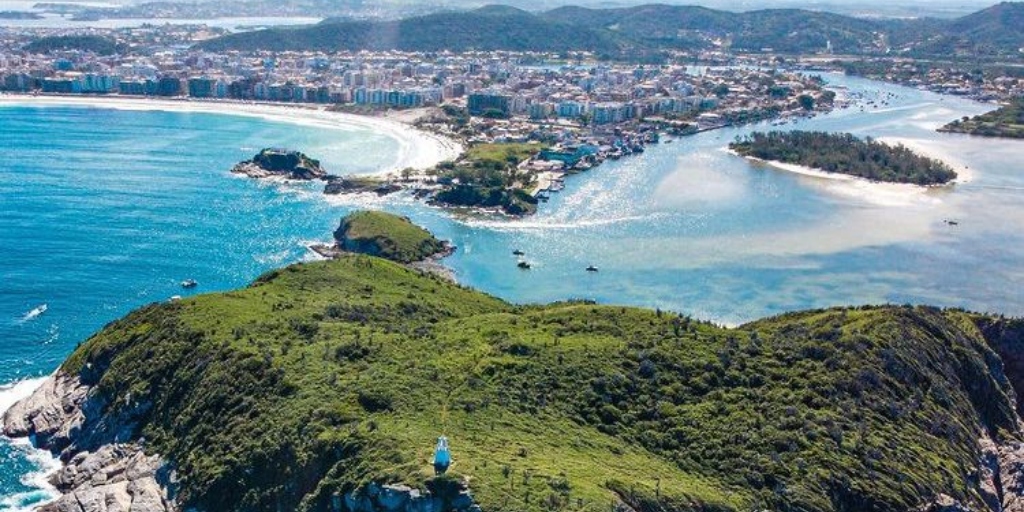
x: 874, y: 192
x: 417, y: 149
x: 932, y: 149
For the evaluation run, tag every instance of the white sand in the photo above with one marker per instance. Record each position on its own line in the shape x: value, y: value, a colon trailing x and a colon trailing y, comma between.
x: 417, y: 149
x: 874, y: 192
x: 933, y: 149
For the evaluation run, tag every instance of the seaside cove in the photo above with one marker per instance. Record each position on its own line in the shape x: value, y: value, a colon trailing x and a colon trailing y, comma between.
x: 684, y: 227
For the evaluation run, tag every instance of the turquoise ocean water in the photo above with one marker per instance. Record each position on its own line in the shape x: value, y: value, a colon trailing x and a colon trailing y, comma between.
x: 102, y: 211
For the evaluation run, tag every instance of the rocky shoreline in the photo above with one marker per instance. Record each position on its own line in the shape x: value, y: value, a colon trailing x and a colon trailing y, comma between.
x: 104, y: 468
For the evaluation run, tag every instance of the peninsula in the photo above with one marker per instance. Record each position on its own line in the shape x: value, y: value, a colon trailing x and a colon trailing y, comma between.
x: 323, y: 386
x: 1007, y: 121
x: 842, y: 153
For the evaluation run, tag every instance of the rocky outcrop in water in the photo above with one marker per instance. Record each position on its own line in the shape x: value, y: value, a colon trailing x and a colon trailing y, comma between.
x: 117, y: 477
x: 281, y: 163
x: 337, y: 185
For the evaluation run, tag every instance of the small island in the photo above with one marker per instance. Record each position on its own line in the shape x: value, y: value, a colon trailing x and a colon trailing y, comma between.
x: 337, y: 185
x: 1006, y: 122
x: 281, y: 163
x: 384, y: 235
x: 843, y: 153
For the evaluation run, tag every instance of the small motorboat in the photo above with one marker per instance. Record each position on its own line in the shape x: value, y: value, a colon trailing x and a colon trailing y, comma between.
x: 952, y: 222
x: 36, y: 311
x: 189, y: 283
x: 175, y: 298
x: 525, y: 265
x: 591, y: 269
x: 517, y: 252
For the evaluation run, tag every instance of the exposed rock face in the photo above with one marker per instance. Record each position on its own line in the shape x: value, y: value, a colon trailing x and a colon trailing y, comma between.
x: 49, y: 413
x: 281, y: 163
x: 104, y: 470
x: 1011, y: 476
x: 402, y: 498
x: 117, y: 477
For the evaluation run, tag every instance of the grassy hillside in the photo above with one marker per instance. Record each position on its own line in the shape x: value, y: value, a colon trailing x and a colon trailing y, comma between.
x: 322, y: 377
x: 387, y: 236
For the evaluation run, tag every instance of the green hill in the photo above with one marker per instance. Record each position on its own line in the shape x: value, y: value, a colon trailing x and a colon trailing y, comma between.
x: 387, y: 236
x: 995, y: 31
x: 488, y: 28
x: 85, y: 43
x: 320, y: 379
x: 1006, y: 121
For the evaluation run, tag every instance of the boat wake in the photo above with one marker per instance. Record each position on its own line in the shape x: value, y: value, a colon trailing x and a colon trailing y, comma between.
x: 531, y: 224
x: 11, y: 393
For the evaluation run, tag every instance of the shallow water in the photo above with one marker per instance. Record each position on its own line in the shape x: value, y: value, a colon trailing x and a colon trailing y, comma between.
x: 104, y: 211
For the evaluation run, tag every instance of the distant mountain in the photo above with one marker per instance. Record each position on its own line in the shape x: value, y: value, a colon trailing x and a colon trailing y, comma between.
x: 651, y: 28
x: 998, y: 30
x: 487, y: 28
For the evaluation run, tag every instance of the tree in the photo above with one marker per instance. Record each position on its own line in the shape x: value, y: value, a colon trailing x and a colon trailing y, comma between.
x: 806, y: 102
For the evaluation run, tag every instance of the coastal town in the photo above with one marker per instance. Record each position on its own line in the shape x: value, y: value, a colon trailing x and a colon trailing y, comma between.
x: 521, y: 122
x: 569, y: 112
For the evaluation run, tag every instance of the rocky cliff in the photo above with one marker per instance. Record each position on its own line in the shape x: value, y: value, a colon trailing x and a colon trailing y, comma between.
x: 105, y: 467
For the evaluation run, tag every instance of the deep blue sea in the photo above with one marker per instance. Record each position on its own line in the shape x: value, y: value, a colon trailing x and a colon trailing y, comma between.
x: 102, y: 211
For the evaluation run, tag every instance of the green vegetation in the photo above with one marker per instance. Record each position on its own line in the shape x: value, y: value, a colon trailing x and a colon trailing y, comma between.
x: 320, y: 378
x: 86, y: 43
x: 488, y: 176
x: 488, y: 28
x: 647, y: 32
x: 387, y: 236
x: 1007, y: 121
x: 845, y: 154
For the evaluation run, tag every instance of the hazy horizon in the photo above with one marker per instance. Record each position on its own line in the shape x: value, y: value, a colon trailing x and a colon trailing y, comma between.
x: 900, y: 8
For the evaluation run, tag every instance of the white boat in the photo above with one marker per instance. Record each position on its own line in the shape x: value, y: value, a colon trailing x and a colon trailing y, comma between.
x: 38, y: 310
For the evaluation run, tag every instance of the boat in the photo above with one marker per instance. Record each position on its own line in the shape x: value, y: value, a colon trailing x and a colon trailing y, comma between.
x: 591, y: 269
x: 189, y: 283
x: 517, y: 252
x: 442, y: 457
x: 952, y: 222
x: 525, y: 265
x: 36, y: 311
